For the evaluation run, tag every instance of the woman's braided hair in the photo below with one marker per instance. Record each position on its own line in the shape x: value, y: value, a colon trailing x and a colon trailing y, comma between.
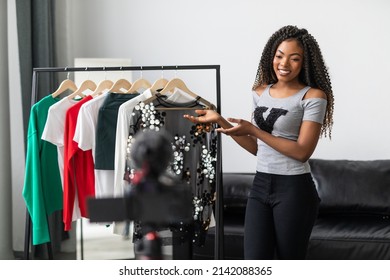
x: 314, y: 72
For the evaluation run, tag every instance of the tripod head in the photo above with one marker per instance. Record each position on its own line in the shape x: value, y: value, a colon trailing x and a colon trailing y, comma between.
x: 152, y: 152
x: 154, y: 193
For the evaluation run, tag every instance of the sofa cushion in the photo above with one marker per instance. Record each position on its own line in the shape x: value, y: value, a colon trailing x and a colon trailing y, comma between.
x: 352, y: 187
x: 350, y: 238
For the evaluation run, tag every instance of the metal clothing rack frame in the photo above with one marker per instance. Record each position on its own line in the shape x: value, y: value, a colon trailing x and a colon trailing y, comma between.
x: 219, y: 226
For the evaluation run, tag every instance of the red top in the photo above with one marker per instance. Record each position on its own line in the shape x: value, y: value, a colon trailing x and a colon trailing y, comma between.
x: 78, y: 168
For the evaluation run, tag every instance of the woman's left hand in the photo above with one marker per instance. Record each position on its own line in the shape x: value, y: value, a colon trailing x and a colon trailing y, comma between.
x: 243, y: 128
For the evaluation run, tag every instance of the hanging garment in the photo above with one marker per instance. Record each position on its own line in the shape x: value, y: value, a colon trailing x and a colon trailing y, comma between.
x: 122, y: 131
x: 105, y: 142
x: 125, y: 115
x: 106, y: 129
x: 194, y: 152
x: 54, y: 133
x: 85, y: 132
x: 42, y: 189
x: 79, y: 176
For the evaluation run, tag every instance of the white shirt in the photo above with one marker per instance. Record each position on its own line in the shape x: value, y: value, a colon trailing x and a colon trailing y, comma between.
x: 85, y: 136
x: 122, y: 133
x: 86, y: 123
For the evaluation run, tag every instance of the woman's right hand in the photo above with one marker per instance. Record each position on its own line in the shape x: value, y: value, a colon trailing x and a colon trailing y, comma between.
x: 204, y: 116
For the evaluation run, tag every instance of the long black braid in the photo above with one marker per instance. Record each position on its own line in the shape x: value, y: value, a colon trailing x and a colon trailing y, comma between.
x: 314, y: 72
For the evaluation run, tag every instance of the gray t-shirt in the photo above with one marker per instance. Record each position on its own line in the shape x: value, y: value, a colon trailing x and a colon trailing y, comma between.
x: 282, y: 117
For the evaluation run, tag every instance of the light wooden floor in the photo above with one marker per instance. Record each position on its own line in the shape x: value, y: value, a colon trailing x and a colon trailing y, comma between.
x: 100, y: 243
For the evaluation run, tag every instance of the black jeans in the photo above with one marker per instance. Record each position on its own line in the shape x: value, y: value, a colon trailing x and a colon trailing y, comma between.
x: 280, y: 215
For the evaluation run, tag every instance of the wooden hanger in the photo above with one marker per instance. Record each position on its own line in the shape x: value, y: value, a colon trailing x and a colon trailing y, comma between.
x: 103, y: 85
x: 179, y: 84
x: 87, y: 84
x: 157, y: 95
x: 65, y: 85
x: 119, y: 85
x: 140, y: 83
x: 158, y: 84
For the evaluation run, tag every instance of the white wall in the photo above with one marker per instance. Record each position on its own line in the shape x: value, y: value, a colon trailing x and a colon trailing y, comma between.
x: 353, y: 35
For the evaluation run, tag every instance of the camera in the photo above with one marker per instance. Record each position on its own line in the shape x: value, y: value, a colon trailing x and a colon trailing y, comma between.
x: 155, y: 198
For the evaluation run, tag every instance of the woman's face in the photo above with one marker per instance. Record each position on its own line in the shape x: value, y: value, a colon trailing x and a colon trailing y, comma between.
x: 288, y: 61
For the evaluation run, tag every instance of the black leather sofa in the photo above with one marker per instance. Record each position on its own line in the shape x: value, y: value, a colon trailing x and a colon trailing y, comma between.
x: 353, y: 221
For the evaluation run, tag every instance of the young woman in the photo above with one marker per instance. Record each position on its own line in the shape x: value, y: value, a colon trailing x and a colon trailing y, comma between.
x: 292, y: 107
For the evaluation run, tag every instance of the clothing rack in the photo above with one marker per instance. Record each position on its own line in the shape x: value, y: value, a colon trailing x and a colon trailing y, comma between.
x: 219, y: 232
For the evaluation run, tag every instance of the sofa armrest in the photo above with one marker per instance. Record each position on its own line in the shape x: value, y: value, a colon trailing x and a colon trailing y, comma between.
x: 235, y: 190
